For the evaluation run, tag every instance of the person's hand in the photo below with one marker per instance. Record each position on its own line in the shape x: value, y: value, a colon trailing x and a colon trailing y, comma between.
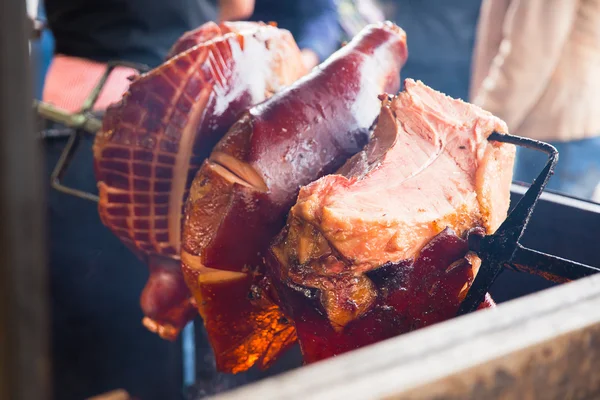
x: 309, y: 58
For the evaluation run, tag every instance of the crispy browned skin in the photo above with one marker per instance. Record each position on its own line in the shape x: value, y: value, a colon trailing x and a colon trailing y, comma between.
x: 239, y: 199
x: 379, y: 248
x: 153, y: 142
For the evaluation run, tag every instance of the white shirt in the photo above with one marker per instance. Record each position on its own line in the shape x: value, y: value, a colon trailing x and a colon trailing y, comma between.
x: 536, y: 65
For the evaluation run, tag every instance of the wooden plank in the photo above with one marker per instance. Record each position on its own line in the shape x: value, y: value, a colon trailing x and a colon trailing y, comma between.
x: 24, y: 364
x: 545, y: 345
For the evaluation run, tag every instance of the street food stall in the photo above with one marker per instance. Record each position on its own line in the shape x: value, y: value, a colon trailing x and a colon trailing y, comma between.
x: 501, y: 305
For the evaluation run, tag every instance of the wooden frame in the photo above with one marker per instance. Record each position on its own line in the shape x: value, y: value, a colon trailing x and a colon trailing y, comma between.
x: 24, y: 362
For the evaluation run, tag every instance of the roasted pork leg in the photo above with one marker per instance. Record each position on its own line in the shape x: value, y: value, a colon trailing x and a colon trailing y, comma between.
x: 241, y: 195
x: 153, y: 142
x: 380, y: 248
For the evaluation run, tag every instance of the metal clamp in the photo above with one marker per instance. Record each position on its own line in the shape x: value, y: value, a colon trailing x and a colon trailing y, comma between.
x: 79, y: 124
x: 503, y: 250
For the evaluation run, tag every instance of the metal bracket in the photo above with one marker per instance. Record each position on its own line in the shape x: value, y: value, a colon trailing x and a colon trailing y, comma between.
x: 503, y: 250
x: 79, y: 124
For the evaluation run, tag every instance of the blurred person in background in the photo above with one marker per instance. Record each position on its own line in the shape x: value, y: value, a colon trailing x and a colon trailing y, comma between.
x: 313, y: 23
x: 440, y: 36
x: 537, y: 66
x: 89, y: 33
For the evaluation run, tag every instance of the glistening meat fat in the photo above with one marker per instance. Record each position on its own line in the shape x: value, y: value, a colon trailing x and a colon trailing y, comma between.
x: 239, y: 199
x: 153, y: 142
x: 379, y: 248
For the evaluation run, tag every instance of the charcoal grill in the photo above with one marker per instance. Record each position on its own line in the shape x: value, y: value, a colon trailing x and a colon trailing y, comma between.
x: 522, y: 347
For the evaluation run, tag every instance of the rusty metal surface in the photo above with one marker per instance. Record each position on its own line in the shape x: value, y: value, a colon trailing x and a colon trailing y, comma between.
x: 542, y: 346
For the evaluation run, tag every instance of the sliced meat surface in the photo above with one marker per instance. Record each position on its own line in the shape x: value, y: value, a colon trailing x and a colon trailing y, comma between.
x: 154, y: 141
x: 428, y: 168
x: 241, y: 195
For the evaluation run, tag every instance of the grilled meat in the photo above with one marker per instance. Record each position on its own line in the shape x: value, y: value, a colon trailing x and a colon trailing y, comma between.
x: 378, y: 248
x: 241, y: 195
x: 154, y: 141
